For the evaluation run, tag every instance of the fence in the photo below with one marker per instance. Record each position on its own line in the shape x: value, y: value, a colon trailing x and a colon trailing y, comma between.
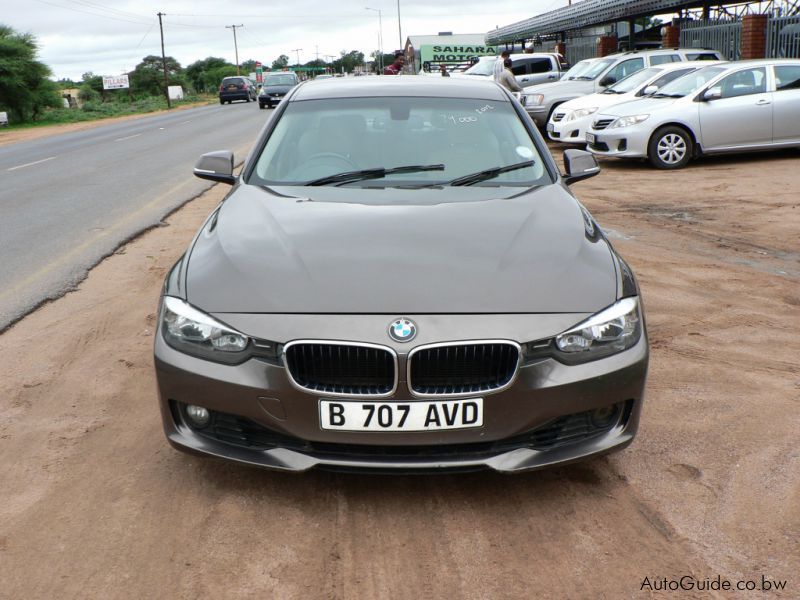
x: 783, y: 37
x: 579, y: 48
x: 723, y: 36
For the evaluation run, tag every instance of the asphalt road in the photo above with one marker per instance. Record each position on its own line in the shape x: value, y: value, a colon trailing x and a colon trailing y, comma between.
x: 69, y: 200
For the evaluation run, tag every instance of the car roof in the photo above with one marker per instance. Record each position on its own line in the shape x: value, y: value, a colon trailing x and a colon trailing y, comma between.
x: 403, y: 85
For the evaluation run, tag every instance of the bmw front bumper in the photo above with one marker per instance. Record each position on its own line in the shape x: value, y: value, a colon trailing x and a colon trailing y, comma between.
x: 543, y: 418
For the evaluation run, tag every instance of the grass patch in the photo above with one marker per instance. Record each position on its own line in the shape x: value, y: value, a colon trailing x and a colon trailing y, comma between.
x: 93, y: 111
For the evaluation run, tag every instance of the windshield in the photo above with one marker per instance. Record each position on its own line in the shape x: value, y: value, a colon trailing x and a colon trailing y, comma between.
x: 683, y: 86
x: 279, y: 80
x: 484, y: 67
x: 632, y: 82
x: 449, y: 137
x: 588, y: 69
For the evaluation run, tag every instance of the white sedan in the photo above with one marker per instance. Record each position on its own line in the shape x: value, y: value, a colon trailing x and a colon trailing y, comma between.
x: 730, y: 107
x: 570, y: 120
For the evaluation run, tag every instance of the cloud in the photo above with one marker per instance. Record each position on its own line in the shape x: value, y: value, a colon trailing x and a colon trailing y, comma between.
x: 108, y: 36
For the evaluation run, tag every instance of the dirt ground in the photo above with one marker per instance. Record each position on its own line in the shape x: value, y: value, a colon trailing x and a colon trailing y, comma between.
x: 95, y: 504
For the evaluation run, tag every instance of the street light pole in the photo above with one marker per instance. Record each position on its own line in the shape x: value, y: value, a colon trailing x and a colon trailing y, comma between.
x: 380, y: 37
x: 399, y: 29
x: 235, y: 45
x: 297, y: 50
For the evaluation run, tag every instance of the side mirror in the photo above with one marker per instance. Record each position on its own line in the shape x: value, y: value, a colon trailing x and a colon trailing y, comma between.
x: 216, y: 166
x: 714, y: 93
x: 578, y: 165
x: 608, y: 80
x: 649, y: 90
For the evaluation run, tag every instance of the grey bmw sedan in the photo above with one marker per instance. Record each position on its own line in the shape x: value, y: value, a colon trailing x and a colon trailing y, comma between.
x: 400, y: 279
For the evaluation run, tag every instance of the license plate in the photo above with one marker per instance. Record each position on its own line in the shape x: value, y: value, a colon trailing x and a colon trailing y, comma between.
x: 346, y: 415
x: 233, y: 87
x: 551, y: 128
x: 591, y: 138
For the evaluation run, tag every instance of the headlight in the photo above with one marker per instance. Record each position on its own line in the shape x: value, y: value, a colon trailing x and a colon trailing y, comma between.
x: 628, y: 121
x: 188, y: 330
x: 612, y: 330
x: 581, y: 112
x: 533, y: 99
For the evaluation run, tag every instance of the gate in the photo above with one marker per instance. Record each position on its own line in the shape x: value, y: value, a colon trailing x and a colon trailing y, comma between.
x: 783, y: 37
x: 723, y: 36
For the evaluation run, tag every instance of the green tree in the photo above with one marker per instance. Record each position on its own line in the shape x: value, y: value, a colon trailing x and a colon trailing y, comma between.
x: 147, y: 78
x: 248, y: 66
x: 348, y: 61
x: 281, y: 62
x: 25, y: 90
x: 204, y: 75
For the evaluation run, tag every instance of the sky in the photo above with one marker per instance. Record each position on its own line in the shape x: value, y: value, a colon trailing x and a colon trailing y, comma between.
x: 110, y: 37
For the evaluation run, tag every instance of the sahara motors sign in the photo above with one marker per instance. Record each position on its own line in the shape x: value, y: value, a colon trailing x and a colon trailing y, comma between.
x: 457, y: 53
x: 116, y: 82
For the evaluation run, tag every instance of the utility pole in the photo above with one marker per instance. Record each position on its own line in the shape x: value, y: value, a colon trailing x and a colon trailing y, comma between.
x: 297, y: 50
x: 235, y: 45
x: 164, y: 59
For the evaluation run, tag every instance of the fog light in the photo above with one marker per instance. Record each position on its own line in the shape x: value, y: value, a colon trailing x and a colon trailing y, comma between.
x: 603, y: 417
x: 198, y: 416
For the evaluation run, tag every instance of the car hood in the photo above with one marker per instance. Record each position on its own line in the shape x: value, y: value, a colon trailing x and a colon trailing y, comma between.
x: 453, y: 250
x: 275, y: 89
x: 600, y: 100
x: 561, y: 87
x: 638, y: 107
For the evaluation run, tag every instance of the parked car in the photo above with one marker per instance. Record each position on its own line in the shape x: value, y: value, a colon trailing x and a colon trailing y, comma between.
x: 732, y: 107
x: 400, y: 279
x: 528, y: 69
x: 275, y: 88
x: 236, y: 88
x: 569, y: 122
x: 595, y: 74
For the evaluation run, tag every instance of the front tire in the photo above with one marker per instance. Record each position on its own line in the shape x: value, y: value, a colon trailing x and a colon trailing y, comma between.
x: 670, y: 148
x: 262, y: 106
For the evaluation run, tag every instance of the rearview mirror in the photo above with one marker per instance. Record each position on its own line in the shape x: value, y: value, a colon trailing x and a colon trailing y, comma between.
x: 216, y: 166
x: 579, y: 164
x: 650, y: 90
x: 714, y: 93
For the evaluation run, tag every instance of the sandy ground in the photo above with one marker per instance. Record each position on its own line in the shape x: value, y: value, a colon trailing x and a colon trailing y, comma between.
x: 95, y: 504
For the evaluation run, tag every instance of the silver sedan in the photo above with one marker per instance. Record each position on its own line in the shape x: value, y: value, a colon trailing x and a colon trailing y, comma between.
x: 737, y: 107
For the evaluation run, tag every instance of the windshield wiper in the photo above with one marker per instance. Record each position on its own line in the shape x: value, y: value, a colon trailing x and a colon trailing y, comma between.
x: 376, y: 173
x: 658, y: 95
x: 610, y: 91
x: 489, y: 173
x: 584, y: 77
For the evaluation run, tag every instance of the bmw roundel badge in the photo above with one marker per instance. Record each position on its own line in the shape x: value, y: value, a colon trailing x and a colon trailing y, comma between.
x: 402, y: 330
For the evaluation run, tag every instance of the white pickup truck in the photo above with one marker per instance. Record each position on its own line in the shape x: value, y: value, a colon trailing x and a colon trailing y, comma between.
x: 528, y: 69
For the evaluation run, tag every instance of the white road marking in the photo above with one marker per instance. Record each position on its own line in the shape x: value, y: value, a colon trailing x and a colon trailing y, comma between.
x: 122, y: 139
x: 185, y: 122
x: 30, y: 164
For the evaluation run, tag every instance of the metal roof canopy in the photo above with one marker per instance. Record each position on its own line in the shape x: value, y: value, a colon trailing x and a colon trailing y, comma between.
x: 585, y: 14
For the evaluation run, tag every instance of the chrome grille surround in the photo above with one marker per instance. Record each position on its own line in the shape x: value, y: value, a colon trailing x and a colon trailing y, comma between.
x: 324, y: 390
x: 601, y: 124
x: 509, y: 379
